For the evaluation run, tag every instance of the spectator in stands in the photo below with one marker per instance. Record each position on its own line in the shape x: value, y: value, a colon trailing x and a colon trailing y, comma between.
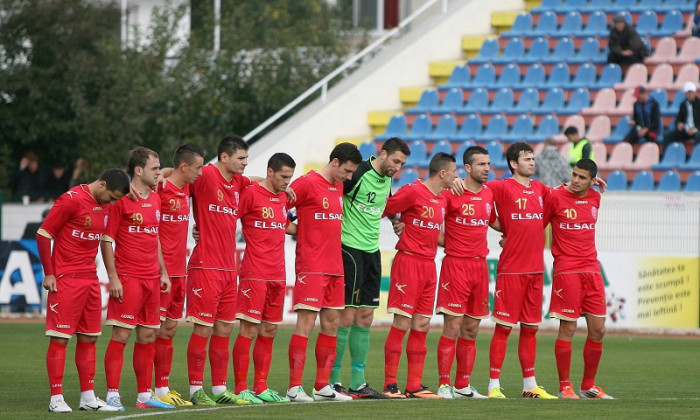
x: 645, y: 118
x: 625, y: 44
x: 692, y: 28
x: 688, y: 118
x: 58, y: 181
x: 580, y: 146
x: 29, y: 180
x: 80, y: 172
x: 551, y: 168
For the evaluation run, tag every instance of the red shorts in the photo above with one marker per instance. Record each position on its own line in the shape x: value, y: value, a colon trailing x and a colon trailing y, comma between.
x: 211, y: 296
x: 412, y: 290
x: 464, y: 287
x: 313, y: 291
x: 261, y: 300
x: 172, y: 304
x: 139, y: 305
x: 574, y: 294
x: 76, y: 307
x: 518, y: 298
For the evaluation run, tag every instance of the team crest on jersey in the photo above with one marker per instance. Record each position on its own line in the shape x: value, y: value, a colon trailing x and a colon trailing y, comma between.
x: 87, y: 223
x: 488, y: 209
x: 158, y: 216
x: 594, y: 212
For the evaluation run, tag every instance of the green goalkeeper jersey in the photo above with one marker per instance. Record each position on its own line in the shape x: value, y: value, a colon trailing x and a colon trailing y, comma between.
x: 364, y: 200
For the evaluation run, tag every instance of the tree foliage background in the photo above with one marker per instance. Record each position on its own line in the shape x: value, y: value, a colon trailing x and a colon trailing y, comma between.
x: 69, y: 89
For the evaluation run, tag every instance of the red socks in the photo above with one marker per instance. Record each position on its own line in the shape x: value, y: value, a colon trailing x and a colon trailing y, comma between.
x: 196, y: 358
x: 262, y: 358
x: 325, y: 357
x: 497, y: 351
x: 55, y: 366
x: 415, y: 352
x: 297, y: 359
x: 241, y: 362
x: 562, y: 353
x: 114, y: 360
x: 392, y: 355
x: 466, y: 354
x: 592, y: 351
x: 527, y: 350
x: 218, y: 359
x: 445, y: 356
x: 85, y: 362
x: 143, y: 365
x: 163, y: 361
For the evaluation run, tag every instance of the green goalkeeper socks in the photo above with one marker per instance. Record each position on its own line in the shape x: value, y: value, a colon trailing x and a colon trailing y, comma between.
x: 340, y: 347
x: 359, y: 347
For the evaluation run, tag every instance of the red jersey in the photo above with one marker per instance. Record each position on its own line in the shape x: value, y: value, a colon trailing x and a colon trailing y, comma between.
x: 133, y: 225
x: 264, y: 220
x: 174, y: 222
x: 76, y: 222
x: 467, y: 222
x: 215, y: 209
x: 423, y: 213
x: 520, y: 213
x: 320, y: 213
x: 573, y: 221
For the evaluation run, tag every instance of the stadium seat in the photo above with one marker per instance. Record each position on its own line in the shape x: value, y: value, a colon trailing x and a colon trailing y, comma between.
x: 446, y: 128
x: 428, y: 101
x: 367, y: 149
x: 547, y: 5
x: 648, y: 23
x: 589, y: 52
x: 612, y: 73
x: 688, y: 53
x: 647, y: 156
x: 620, y: 157
x: 459, y: 154
x: 571, y: 25
x: 538, y: 52
x: 443, y: 146
x: 534, y: 77
x: 688, y: 73
x: 621, y: 130
x: 572, y: 121
x: 661, y: 97
x: 682, y: 5
x: 546, y: 26
x: 396, y: 128
x: 617, y: 181
x: 693, y: 182
x: 514, y: 50
x: 495, y: 130
x: 521, y: 26
x: 670, y: 182
x: 574, y: 5
x: 585, y: 76
x: 693, y: 163
x: 621, y: 6
x: 563, y: 52
x: 560, y: 76
x: 529, y: 101
x: 643, y: 182
x: 485, y: 76
x: 407, y: 176
x: 674, y: 157
x: 470, y: 129
x: 624, y: 107
x: 418, y: 153
x: 495, y: 149
x: 646, y: 5
x: 664, y: 52
x: 599, y: 151
x: 522, y: 130
x: 489, y: 51
x: 478, y: 101
x: 597, y: 25
x: 453, y: 102
x: 599, y: 129
x: 673, y: 107
x: 636, y: 75
x: 579, y: 100
x: 460, y: 77
x: 553, y: 102
x: 673, y: 22
x: 510, y: 76
x: 501, y: 103
x: 662, y: 77
x: 603, y: 103
x: 421, y: 128
x: 548, y: 127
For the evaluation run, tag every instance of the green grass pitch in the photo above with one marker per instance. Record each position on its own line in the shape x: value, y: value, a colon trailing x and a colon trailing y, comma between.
x: 655, y: 378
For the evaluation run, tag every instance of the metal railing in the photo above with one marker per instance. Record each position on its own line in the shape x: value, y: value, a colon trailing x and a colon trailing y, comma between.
x: 322, y: 84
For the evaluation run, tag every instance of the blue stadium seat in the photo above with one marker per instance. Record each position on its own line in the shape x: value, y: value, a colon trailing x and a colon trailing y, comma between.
x: 661, y: 97
x: 446, y: 129
x: 495, y: 149
x: 522, y: 129
x: 673, y: 108
x: 693, y: 163
x: 553, y: 102
x: 617, y: 181
x: 621, y: 5
x: 579, y: 99
x: 461, y: 173
x: 418, y: 153
x: 534, y: 77
x: 547, y: 5
x: 643, y: 181
x: 408, y: 175
x: 621, y: 130
x: 462, y: 148
x: 396, y: 128
x: 673, y: 22
x: 367, y: 149
x: 485, y: 76
x: 670, y: 182
x: 510, y: 76
x: 674, y: 156
x: 497, y: 128
x: 693, y: 183
x: 548, y: 127
x: 589, y: 52
x: 539, y: 51
x: 585, y: 76
x: 501, y: 103
x: 571, y: 25
x: 470, y: 129
x: 478, y: 101
x: 521, y: 26
x: 560, y: 76
x: 648, y: 23
x: 563, y: 52
x: 603, y: 5
x: 460, y: 77
x: 627, y: 15
x: 489, y: 51
x: 644, y: 5
x: 453, y: 102
x: 428, y: 101
x: 597, y: 25
x: 546, y: 26
x: 611, y: 74
x: 680, y: 5
x: 442, y: 146
x: 492, y: 176
x: 420, y: 129
x: 514, y: 50
x: 573, y: 5
x: 529, y: 101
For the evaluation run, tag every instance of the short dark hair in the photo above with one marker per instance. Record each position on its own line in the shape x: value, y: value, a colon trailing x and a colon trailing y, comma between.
x: 468, y: 156
x: 280, y: 160
x: 138, y: 157
x: 346, y: 152
x: 570, y: 130
x: 116, y: 180
x: 439, y: 162
x: 514, y: 150
x: 186, y: 154
x: 396, y: 144
x: 587, y: 165
x: 230, y: 144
